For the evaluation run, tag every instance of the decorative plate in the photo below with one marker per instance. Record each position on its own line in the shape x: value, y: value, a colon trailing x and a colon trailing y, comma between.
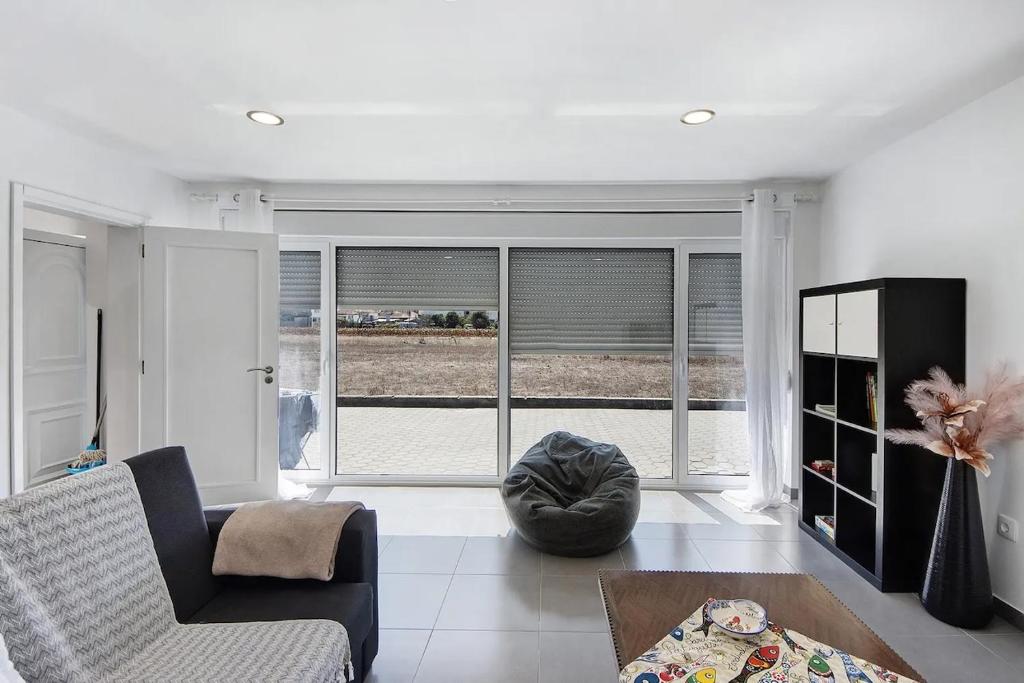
x: 740, y: 618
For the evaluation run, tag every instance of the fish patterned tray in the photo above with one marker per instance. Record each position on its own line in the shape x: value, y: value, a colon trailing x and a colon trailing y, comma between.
x: 698, y: 651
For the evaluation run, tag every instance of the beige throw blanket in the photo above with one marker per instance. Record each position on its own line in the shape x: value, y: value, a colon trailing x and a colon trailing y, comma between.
x: 290, y: 539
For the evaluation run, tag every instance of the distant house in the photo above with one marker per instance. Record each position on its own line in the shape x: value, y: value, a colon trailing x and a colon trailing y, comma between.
x: 300, y: 317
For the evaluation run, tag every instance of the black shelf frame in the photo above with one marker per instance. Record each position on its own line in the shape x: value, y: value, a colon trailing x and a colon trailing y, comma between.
x: 888, y: 496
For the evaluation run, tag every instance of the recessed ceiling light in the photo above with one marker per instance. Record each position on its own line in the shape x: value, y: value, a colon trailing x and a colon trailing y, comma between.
x: 697, y: 117
x: 265, y: 117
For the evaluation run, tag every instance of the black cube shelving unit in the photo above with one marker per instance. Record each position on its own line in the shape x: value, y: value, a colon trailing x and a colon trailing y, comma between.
x: 883, y: 497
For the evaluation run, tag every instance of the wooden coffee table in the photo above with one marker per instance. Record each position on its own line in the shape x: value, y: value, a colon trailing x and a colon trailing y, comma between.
x: 642, y: 607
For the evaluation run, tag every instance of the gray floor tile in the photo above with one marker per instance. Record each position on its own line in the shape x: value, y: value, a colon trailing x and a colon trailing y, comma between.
x: 498, y: 555
x: 889, y: 614
x: 659, y: 530
x: 722, y: 532
x: 953, y: 659
x: 493, y: 603
x: 787, y: 531
x: 411, y: 601
x: 997, y: 625
x: 422, y: 555
x: 399, y: 656
x: 742, y: 556
x: 492, y: 656
x: 663, y: 554
x: 808, y: 557
x: 576, y: 657
x: 571, y: 603
x: 552, y: 565
x: 1009, y: 646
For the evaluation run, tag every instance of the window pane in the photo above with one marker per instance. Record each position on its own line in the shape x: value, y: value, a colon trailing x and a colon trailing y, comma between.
x: 591, y: 341
x: 717, y: 418
x: 300, y: 366
x: 417, y: 342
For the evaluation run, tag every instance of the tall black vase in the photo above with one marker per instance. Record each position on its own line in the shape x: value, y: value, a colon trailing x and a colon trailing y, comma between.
x: 957, y: 588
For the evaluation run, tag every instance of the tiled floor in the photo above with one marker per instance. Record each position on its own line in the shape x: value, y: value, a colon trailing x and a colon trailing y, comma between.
x: 483, y: 606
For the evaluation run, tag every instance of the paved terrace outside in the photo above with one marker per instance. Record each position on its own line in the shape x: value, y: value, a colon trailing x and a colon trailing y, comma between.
x: 463, y: 441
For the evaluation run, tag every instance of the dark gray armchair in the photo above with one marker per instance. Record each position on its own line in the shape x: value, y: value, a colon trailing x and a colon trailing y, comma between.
x: 185, y: 536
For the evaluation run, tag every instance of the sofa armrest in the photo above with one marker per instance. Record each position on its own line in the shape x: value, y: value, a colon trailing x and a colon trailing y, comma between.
x: 215, y: 518
x: 356, y: 561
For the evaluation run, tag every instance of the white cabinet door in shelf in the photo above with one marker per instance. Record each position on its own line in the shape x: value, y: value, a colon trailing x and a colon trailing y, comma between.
x: 820, y: 324
x: 857, y: 324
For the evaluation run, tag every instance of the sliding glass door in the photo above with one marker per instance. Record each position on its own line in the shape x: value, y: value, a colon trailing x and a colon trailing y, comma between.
x: 716, y: 418
x: 417, y: 361
x: 435, y: 363
x: 303, y: 381
x: 591, y: 334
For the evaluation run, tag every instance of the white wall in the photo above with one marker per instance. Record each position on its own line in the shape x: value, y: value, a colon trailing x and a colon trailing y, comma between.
x: 48, y: 157
x: 946, y: 202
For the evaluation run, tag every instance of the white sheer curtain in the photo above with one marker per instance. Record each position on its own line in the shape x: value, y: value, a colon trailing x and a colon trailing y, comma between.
x: 764, y: 354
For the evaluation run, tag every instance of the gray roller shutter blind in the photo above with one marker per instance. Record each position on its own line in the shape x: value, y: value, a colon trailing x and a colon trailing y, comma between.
x: 300, y: 280
x: 715, y: 320
x: 422, y: 278
x: 606, y: 301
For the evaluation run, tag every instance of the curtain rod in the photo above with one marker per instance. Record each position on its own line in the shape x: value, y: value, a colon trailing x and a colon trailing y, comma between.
x: 352, y: 204
x: 508, y: 201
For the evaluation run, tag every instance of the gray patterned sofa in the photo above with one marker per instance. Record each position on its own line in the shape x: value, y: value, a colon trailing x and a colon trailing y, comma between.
x: 82, y: 598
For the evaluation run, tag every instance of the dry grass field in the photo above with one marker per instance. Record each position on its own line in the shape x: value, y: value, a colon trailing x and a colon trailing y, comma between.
x: 432, y: 363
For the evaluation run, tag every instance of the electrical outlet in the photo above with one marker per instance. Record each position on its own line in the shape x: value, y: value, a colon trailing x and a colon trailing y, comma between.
x: 1007, y: 527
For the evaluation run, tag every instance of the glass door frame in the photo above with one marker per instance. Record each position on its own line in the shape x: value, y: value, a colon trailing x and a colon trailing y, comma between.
x: 328, y: 410
x: 722, y: 245
x: 682, y: 246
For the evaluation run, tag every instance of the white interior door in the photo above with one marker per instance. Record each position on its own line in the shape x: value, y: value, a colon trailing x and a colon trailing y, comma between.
x: 57, y: 407
x: 209, y: 343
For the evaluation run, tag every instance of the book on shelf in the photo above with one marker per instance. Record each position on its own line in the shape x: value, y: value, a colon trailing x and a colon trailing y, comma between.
x: 825, y: 467
x: 872, y: 398
x: 826, y: 524
x: 825, y: 408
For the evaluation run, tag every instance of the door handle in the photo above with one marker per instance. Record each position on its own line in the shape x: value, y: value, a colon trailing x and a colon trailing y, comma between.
x: 269, y: 370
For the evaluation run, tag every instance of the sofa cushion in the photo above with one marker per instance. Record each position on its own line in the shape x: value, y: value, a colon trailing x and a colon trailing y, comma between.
x: 176, y: 521
x: 309, y: 651
x: 266, y: 599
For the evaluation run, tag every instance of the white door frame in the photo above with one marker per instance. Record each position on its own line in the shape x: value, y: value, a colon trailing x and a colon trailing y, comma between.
x: 25, y: 196
x: 682, y: 246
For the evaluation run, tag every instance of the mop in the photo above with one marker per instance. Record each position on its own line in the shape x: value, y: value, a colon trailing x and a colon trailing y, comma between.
x: 93, y: 455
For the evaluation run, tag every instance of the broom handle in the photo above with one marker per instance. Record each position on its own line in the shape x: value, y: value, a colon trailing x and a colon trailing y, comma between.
x: 99, y: 366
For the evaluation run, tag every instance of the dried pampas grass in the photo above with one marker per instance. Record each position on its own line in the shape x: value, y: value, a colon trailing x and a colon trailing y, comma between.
x: 958, y: 424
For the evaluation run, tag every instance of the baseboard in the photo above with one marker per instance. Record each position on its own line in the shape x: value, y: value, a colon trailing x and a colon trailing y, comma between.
x: 1009, y: 612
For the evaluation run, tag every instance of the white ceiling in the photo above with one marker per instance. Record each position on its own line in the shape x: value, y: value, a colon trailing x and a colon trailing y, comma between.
x: 502, y: 90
